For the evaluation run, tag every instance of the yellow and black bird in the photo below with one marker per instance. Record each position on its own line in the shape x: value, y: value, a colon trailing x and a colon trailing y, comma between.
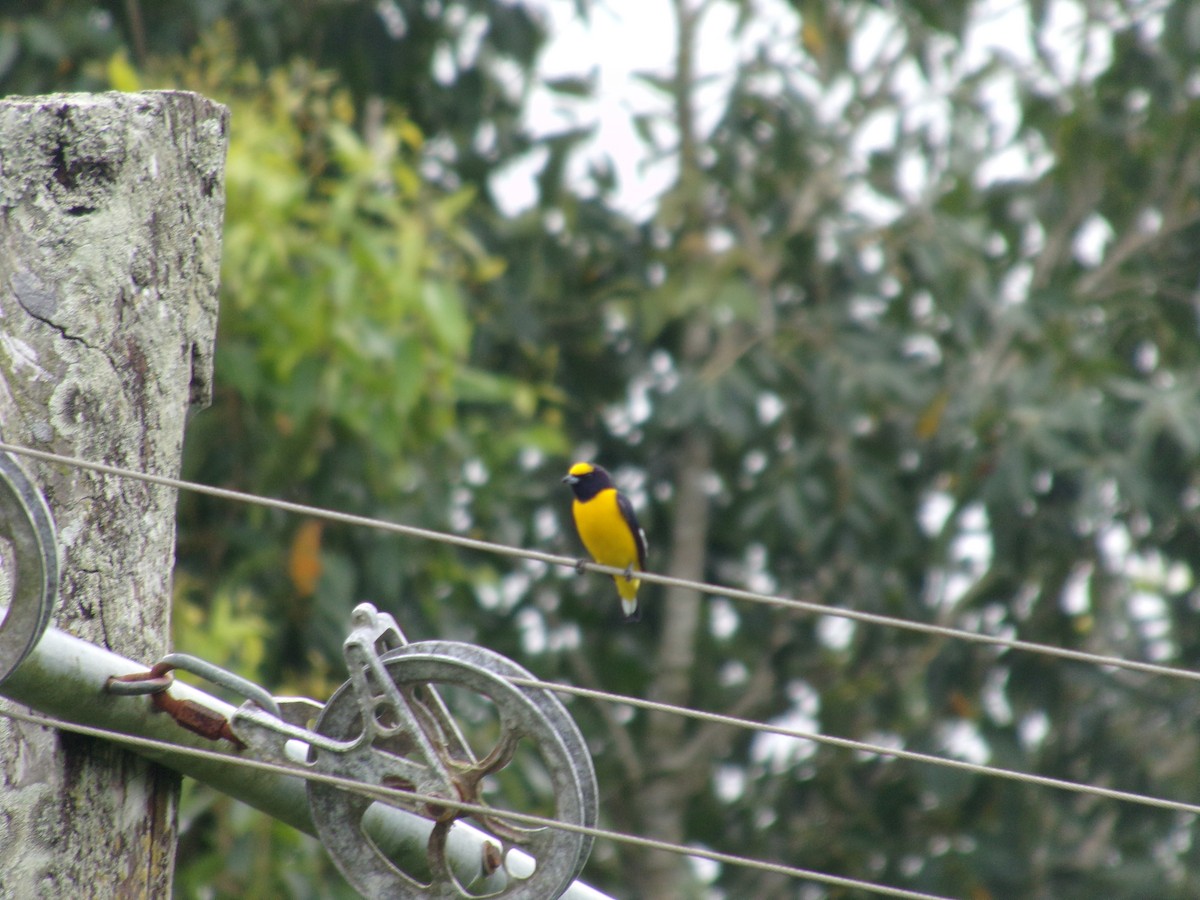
x: 609, y: 529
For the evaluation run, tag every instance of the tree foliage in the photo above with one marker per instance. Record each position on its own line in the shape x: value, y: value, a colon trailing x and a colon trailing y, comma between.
x: 914, y: 332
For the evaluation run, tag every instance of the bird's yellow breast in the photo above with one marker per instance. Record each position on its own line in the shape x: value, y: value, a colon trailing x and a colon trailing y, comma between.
x: 604, y: 530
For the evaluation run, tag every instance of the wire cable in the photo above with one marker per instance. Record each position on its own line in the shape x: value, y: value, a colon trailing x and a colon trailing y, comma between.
x: 781, y: 602
x: 386, y: 794
x: 700, y: 715
x: 716, y: 718
x: 862, y: 746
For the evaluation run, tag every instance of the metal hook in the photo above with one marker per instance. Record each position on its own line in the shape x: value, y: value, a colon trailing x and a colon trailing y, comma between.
x: 26, y: 521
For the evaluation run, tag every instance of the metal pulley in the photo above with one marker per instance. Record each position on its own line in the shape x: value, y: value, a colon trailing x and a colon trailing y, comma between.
x: 31, y: 565
x: 440, y: 719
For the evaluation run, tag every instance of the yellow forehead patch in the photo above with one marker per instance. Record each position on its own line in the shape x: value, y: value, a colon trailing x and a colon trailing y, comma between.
x: 580, y: 469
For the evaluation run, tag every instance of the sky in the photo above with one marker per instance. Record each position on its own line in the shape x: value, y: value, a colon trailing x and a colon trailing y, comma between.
x: 620, y: 40
x: 617, y: 42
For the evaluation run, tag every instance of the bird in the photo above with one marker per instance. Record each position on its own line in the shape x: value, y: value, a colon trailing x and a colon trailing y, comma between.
x: 609, y: 529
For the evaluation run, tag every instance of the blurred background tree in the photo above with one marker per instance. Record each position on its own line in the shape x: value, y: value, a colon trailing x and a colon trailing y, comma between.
x: 913, y: 330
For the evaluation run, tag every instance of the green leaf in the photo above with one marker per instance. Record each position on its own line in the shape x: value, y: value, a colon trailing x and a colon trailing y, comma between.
x: 444, y: 307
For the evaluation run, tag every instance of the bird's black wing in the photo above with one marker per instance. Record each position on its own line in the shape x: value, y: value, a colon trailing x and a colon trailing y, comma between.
x: 630, y: 517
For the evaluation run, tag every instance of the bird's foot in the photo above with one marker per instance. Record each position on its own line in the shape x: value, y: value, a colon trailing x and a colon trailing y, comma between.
x: 629, y: 572
x: 581, y: 566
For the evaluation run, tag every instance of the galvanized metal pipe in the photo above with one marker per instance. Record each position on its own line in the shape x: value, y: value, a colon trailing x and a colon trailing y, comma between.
x: 65, y: 677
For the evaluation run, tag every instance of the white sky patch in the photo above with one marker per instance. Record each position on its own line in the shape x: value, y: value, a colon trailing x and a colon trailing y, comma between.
x: 645, y: 34
x: 769, y: 407
x: 1150, y: 221
x: 705, y: 870
x: 712, y: 483
x: 1025, y: 158
x: 729, y: 782
x: 530, y: 458
x: 488, y: 594
x: 549, y: 599
x: 871, y: 256
x: 661, y: 363
x: 392, y: 16
x: 1151, y: 618
x: 618, y: 421
x: 508, y: 592
x: 998, y: 28
x: 534, y: 569
x: 995, y: 697
x: 475, y: 473
x: 831, y: 103
x: 616, y: 44
x: 514, y: 185
x: 863, y: 200
x: 723, y: 619
x: 972, y: 549
x: 664, y: 375
x: 1077, y: 51
x: 1149, y: 609
x: 1114, y: 544
x: 484, y: 141
x: 835, y: 632
x: 913, y: 175
x: 1150, y: 569
x: 1000, y: 31
x: 460, y: 515
x: 876, y: 133
x: 778, y: 752
x: 1075, y: 599
x: 1145, y: 357
x: 616, y: 323
x: 888, y: 739
x: 663, y: 491
x: 443, y: 65
x: 632, y: 482
x: 1014, y: 286
x: 623, y: 713
x: 532, y: 628
x: 755, y: 462
x: 935, y: 509
x: 962, y: 740
x: 1178, y: 578
x: 1033, y: 729
x: 565, y: 638
x: 1091, y: 240
x: 876, y: 41
x: 638, y: 402
x: 732, y: 673
x: 545, y: 524
x: 758, y: 577
x: 1150, y: 576
x: 923, y: 347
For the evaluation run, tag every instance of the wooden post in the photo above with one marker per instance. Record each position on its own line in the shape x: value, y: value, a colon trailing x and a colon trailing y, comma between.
x: 110, y: 230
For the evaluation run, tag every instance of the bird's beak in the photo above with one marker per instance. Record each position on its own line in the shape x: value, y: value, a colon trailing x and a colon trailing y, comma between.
x: 570, y: 479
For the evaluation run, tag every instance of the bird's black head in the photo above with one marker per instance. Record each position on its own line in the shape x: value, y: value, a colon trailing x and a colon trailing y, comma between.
x: 587, y: 480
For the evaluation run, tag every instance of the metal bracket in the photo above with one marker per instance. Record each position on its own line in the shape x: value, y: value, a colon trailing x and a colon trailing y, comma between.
x: 26, y: 522
x: 389, y: 726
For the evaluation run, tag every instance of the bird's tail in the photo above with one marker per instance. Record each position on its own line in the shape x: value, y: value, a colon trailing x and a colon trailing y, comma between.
x: 628, y: 589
